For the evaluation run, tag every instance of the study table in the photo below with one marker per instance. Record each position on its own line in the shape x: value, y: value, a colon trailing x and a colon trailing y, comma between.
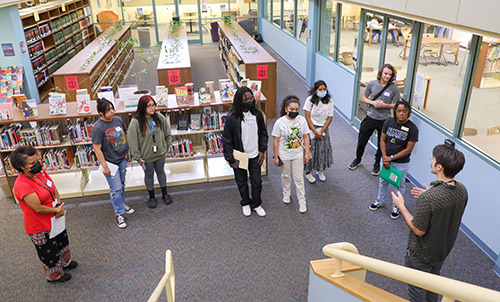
x: 427, y: 41
x: 370, y: 30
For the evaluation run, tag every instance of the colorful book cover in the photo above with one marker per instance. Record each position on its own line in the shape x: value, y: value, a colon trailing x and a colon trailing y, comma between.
x: 255, y: 86
x: 18, y: 100
x: 195, y: 121
x: 227, y: 91
x: 5, y: 111
x: 57, y: 103
x: 204, y: 95
x: 181, y: 94
x: 211, y: 86
x: 107, y: 93
x: 30, y: 108
x: 83, y: 102
x: 161, y: 95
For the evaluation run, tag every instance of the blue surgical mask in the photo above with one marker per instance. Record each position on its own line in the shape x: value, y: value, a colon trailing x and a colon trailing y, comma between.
x: 321, y: 94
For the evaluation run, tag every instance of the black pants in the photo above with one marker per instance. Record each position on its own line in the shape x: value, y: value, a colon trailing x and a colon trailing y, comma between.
x: 368, y: 125
x: 242, y: 181
x: 416, y: 293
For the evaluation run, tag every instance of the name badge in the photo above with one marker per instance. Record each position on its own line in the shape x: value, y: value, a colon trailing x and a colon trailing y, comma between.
x: 405, y: 128
x: 251, y: 122
x: 387, y: 93
x: 49, y: 183
x: 118, y: 128
x: 155, y: 149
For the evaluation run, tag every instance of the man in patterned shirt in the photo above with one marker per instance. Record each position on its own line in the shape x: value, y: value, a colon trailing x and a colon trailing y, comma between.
x: 438, y: 212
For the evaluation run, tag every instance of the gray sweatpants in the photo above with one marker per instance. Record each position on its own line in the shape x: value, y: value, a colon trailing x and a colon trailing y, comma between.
x: 159, y: 167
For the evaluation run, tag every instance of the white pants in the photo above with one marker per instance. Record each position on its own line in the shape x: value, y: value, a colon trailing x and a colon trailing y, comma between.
x: 293, y: 167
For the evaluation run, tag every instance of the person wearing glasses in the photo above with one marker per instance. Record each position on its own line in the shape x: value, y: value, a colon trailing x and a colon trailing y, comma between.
x: 41, y: 205
x: 399, y: 136
x: 149, y: 140
x: 245, y: 131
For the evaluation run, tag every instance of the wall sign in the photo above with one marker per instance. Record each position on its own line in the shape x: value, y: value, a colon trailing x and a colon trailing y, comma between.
x: 72, y: 83
x: 261, y: 72
x: 8, y: 49
x: 174, y: 77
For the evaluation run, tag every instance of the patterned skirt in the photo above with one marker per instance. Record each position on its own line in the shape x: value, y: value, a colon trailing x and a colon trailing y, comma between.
x: 321, y: 151
x: 54, y: 253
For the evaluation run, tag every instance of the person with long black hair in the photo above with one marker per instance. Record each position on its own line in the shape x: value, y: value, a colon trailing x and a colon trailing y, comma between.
x: 318, y: 109
x: 245, y: 131
x: 149, y: 139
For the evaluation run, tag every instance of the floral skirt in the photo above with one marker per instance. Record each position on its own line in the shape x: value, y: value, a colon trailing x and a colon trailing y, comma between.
x: 54, y: 253
x: 321, y: 151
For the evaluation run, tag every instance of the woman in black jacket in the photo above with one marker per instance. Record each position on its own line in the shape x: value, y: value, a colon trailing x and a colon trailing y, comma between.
x: 245, y: 131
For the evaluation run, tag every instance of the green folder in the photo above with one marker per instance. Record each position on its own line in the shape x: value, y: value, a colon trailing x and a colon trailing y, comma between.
x: 392, y: 176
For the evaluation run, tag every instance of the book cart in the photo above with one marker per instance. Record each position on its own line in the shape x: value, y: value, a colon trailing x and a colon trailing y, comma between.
x: 244, y: 58
x: 104, y: 62
x: 80, y: 175
x: 55, y: 33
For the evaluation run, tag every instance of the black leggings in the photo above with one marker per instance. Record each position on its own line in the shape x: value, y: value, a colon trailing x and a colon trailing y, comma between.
x: 368, y: 126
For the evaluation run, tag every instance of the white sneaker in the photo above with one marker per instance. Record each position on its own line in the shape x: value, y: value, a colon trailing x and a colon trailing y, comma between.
x: 321, y: 176
x: 246, y: 210
x: 120, y: 221
x: 302, y: 208
x: 286, y: 199
x: 310, y: 178
x: 260, y: 211
x: 128, y: 210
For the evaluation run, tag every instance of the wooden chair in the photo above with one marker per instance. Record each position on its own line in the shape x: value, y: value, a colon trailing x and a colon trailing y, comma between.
x: 454, y: 47
x: 470, y: 131
x: 347, y: 59
x: 494, y: 130
x: 406, y: 36
x: 432, y: 50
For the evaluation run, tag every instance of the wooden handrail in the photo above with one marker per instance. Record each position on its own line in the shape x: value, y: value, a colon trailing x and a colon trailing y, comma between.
x: 167, y: 282
x: 450, y: 289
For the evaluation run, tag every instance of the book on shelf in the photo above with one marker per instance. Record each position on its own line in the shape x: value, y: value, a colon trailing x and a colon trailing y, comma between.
x: 213, y: 143
x: 57, y: 103
x: 244, y: 82
x: 181, y: 148
x: 223, y: 81
x: 5, y: 111
x: 57, y: 159
x: 30, y: 108
x: 80, y: 130
x: 182, y: 121
x: 181, y: 95
x: 204, y: 95
x: 211, y: 86
x: 214, y: 120
x: 85, y: 157
x: 83, y: 101
x: 190, y: 88
x: 255, y: 86
x: 18, y: 100
x: 195, y: 121
x: 107, y: 93
x: 127, y: 94
x: 227, y: 91
x: 161, y: 96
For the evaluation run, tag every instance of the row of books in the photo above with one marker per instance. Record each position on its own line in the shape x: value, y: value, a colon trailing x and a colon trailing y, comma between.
x: 214, y: 120
x: 85, y: 157
x: 45, y: 29
x: 39, y: 64
x: 42, y: 77
x: 57, y: 159
x: 56, y: 24
x: 181, y: 148
x: 493, y: 52
x: 35, y: 49
x: 13, y: 136
x: 79, y: 131
x: 213, y: 143
x: 32, y: 35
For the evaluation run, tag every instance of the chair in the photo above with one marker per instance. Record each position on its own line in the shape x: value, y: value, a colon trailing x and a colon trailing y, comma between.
x: 470, y: 131
x: 493, y: 130
x: 406, y: 36
x: 454, y: 47
x: 105, y: 17
x: 347, y: 59
x: 433, y: 49
x: 247, y: 25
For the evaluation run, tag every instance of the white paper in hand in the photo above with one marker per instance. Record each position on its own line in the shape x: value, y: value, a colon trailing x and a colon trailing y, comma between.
x: 242, y: 159
x: 112, y: 168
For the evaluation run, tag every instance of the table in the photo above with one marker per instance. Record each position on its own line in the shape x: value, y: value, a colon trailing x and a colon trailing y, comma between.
x: 427, y: 41
x: 488, y: 143
x: 370, y: 30
x: 235, y: 12
x: 190, y: 13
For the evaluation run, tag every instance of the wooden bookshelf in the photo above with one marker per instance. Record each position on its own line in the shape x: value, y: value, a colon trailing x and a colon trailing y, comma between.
x: 56, y: 31
x: 84, y: 181
x: 242, y: 57
x: 174, y: 61
x: 488, y: 62
x: 110, y: 63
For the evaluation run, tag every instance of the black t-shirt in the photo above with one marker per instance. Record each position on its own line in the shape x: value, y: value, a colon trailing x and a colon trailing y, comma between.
x: 398, y: 136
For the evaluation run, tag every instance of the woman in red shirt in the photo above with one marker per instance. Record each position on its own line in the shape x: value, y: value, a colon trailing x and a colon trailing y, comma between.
x: 41, y: 206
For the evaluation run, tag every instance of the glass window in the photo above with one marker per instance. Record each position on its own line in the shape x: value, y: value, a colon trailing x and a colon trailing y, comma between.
x: 438, y: 84
x: 349, y: 28
x: 277, y: 12
x: 289, y: 16
x: 269, y: 9
x: 327, y: 27
x: 302, y: 17
x: 482, y: 124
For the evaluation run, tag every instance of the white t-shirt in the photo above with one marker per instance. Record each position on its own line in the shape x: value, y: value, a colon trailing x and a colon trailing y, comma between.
x: 319, y: 112
x: 250, y: 134
x: 291, y: 134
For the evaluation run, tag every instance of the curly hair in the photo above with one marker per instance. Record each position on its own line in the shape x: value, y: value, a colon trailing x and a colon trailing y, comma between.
x: 289, y: 99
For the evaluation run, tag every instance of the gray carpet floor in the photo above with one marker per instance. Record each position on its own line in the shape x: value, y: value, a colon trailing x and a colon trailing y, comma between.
x: 220, y: 255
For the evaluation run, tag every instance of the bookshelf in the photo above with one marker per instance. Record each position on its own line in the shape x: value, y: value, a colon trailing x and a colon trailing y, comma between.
x: 244, y: 58
x: 104, y: 62
x: 174, y: 58
x: 81, y: 177
x: 55, y: 32
x: 488, y: 66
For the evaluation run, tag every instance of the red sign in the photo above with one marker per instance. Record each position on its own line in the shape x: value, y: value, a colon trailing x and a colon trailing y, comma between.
x: 72, y: 83
x: 261, y: 72
x: 174, y: 77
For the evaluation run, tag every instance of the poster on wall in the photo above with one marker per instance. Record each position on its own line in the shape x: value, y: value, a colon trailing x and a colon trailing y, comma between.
x: 419, y: 90
x: 174, y: 77
x: 8, y: 49
x: 261, y: 72
x: 204, y: 6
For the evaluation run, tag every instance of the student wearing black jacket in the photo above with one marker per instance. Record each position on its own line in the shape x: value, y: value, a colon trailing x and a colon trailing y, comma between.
x: 245, y: 131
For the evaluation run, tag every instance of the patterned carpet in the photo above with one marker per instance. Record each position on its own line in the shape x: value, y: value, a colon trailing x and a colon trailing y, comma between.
x: 220, y: 255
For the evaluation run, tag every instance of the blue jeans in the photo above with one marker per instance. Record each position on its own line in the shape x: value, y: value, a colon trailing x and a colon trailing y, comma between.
x: 117, y: 188
x: 383, y: 185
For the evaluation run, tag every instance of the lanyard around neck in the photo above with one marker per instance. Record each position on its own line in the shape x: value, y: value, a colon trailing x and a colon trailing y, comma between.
x: 42, y: 184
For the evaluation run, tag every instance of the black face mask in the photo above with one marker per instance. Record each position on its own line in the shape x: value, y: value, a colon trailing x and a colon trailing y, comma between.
x: 247, y: 105
x: 36, y: 168
x: 292, y: 114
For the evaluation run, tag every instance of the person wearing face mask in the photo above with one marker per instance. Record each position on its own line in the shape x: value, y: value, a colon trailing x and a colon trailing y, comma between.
x: 245, y: 131
x: 291, y: 149
x: 318, y: 110
x: 399, y: 136
x: 41, y: 205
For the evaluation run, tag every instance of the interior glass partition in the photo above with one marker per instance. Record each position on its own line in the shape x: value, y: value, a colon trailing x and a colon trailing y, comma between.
x: 328, y: 14
x: 140, y: 15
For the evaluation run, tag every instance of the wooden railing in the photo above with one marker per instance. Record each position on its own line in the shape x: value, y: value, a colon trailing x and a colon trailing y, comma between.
x: 450, y: 289
x: 167, y: 282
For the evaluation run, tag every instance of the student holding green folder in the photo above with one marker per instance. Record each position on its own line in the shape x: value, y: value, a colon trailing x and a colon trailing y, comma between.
x: 399, y: 136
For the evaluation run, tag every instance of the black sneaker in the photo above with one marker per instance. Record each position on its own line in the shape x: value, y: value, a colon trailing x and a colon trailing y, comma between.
x: 355, y: 163
x: 395, y: 213
x: 65, y: 277
x: 152, y: 203
x: 376, y: 170
x: 376, y: 205
x: 120, y: 222
x: 73, y: 264
x: 167, y: 199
